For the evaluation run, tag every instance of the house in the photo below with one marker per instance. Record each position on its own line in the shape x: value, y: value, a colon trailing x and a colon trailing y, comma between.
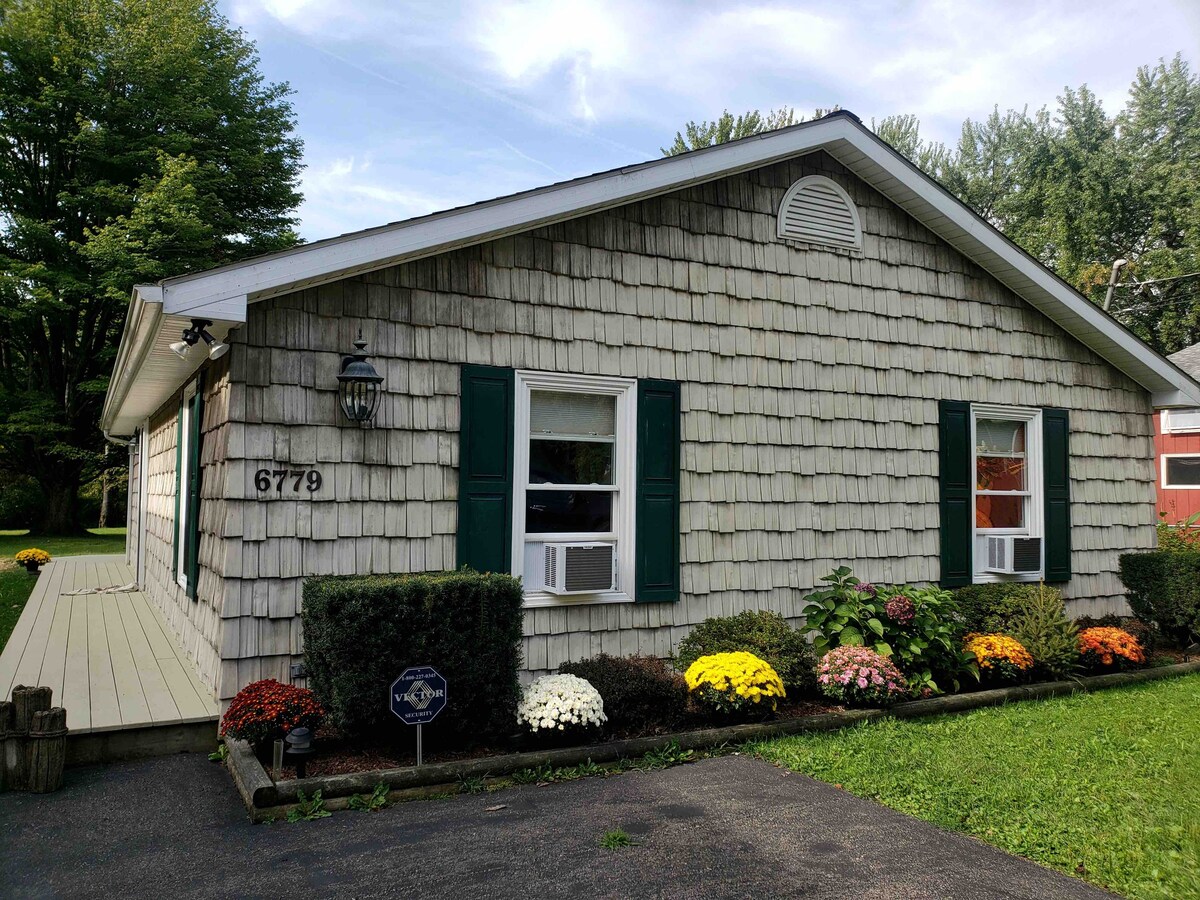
x: 1177, y: 449
x: 685, y: 388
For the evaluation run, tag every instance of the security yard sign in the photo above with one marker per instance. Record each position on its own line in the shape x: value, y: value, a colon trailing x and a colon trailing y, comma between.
x: 417, y: 696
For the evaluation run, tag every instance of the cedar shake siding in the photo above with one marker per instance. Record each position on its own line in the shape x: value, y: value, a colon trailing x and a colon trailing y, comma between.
x: 197, y: 624
x: 810, y: 383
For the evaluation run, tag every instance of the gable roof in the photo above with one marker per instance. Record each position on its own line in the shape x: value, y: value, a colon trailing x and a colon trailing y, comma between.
x: 222, y: 294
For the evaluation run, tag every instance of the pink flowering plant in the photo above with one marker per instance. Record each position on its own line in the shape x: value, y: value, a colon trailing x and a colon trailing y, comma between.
x: 857, y: 676
x: 917, y: 628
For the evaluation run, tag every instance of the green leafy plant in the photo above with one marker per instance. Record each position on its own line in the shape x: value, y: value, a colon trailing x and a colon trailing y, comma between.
x: 992, y: 608
x: 764, y: 633
x: 918, y: 628
x: 639, y: 692
x: 220, y: 754
x: 308, y: 809
x: 372, y: 802
x: 666, y: 757
x: 615, y: 838
x: 474, y: 785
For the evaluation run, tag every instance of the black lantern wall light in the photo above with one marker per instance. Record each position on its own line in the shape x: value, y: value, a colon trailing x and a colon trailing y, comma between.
x: 358, y: 385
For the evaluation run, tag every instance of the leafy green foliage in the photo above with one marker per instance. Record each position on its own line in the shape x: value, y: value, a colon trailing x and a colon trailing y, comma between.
x: 1164, y: 588
x: 764, y: 633
x: 220, y: 754
x: 992, y: 608
x: 372, y: 802
x: 727, y: 127
x: 308, y: 809
x: 927, y: 646
x: 666, y: 757
x: 1088, y: 784
x: 639, y: 692
x: 361, y: 632
x: 140, y: 141
x: 615, y: 838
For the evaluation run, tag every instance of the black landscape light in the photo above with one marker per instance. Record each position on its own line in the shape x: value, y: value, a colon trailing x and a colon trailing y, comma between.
x: 358, y: 385
x: 298, y: 748
x: 193, y: 335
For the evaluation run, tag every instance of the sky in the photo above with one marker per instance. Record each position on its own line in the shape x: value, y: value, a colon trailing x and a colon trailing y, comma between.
x: 410, y: 107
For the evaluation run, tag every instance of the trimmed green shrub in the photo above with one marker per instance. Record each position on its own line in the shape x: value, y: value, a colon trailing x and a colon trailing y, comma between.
x: 639, y: 692
x: 1044, y: 629
x: 992, y: 608
x: 361, y: 632
x: 1164, y: 588
x: 762, y: 632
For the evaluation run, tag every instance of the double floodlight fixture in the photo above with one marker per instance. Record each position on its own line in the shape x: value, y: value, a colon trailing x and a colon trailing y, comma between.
x: 192, y: 336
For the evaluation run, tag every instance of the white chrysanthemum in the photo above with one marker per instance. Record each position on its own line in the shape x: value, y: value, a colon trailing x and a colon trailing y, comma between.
x: 555, y: 701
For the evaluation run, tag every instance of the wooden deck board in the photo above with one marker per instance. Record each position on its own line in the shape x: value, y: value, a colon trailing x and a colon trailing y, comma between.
x: 110, y: 658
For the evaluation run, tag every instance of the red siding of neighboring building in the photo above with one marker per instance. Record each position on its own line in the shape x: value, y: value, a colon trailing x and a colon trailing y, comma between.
x: 1177, y: 503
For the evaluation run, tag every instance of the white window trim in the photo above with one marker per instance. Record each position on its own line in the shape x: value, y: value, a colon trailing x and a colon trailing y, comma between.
x: 1167, y: 427
x: 624, y: 477
x: 1163, y: 475
x: 1034, y: 481
x: 183, y: 430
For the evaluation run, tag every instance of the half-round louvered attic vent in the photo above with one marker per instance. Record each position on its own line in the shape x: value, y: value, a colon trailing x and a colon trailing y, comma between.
x: 816, y: 210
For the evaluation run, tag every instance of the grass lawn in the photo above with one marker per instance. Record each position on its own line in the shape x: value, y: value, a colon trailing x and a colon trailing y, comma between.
x: 16, y: 584
x: 1105, y: 786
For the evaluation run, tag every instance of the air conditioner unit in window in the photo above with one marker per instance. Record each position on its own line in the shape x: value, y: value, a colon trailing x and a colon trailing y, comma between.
x: 1008, y: 555
x: 580, y: 568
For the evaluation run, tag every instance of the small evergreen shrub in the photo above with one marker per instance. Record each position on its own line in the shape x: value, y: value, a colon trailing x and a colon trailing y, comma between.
x: 361, y: 632
x: 992, y: 608
x: 640, y: 692
x: 736, y: 682
x: 1044, y: 629
x: 764, y: 633
x: 1164, y: 588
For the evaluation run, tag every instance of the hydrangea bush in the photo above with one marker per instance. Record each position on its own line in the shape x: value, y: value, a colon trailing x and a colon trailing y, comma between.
x: 1110, y: 649
x: 734, y: 682
x: 858, y: 676
x: 1001, y: 658
x: 559, y: 703
x: 267, y: 710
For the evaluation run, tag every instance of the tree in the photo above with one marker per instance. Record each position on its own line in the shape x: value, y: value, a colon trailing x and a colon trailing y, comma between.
x: 726, y: 127
x: 139, y: 140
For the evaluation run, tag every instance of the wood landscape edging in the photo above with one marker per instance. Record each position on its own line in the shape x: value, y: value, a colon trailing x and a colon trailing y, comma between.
x: 264, y: 797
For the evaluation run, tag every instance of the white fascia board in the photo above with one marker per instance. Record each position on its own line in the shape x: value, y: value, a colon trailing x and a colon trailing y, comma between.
x: 338, y: 257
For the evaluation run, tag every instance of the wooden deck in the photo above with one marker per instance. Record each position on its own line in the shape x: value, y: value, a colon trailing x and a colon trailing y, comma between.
x: 109, y: 658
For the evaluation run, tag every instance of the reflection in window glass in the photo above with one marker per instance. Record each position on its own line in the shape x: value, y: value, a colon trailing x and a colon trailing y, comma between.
x: 563, y: 512
x: 1183, y: 470
x: 570, y: 462
x: 999, y: 511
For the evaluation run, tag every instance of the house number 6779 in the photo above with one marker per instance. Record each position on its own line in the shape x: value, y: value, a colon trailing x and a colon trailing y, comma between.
x: 277, y: 479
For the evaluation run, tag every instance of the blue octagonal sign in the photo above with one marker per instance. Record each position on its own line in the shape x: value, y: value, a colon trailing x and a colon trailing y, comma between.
x: 418, y: 695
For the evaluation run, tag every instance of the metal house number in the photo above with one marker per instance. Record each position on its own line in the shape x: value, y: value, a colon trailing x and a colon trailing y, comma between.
x: 278, y: 479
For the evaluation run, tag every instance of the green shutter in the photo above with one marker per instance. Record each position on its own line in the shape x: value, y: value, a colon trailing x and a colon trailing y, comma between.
x: 485, y: 469
x: 955, y: 488
x: 178, y: 535
x: 1057, y: 486
x: 193, y: 488
x: 657, y: 551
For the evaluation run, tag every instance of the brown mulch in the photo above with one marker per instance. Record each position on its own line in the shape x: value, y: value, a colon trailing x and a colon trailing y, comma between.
x: 336, y: 757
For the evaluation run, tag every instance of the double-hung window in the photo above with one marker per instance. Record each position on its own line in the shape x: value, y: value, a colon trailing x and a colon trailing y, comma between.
x: 574, y: 468
x: 1007, y: 474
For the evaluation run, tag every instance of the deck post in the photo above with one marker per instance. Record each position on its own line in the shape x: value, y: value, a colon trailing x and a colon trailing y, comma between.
x: 46, y: 751
x: 26, y: 701
x: 8, y: 743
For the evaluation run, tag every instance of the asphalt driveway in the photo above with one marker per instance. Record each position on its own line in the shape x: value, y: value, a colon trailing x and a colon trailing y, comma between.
x: 728, y: 827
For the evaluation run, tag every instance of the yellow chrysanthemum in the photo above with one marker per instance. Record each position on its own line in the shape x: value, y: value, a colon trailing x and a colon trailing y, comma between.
x: 734, y: 679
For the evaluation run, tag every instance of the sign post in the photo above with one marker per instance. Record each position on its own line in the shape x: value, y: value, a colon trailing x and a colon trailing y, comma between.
x: 416, y: 697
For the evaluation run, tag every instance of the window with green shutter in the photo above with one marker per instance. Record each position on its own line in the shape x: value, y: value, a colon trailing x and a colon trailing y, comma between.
x: 571, y: 482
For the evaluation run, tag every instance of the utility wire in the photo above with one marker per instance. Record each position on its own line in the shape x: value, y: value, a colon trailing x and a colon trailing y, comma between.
x: 1157, y: 280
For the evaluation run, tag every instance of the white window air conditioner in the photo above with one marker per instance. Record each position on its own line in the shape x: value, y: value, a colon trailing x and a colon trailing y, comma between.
x: 1007, y: 555
x: 580, y: 568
